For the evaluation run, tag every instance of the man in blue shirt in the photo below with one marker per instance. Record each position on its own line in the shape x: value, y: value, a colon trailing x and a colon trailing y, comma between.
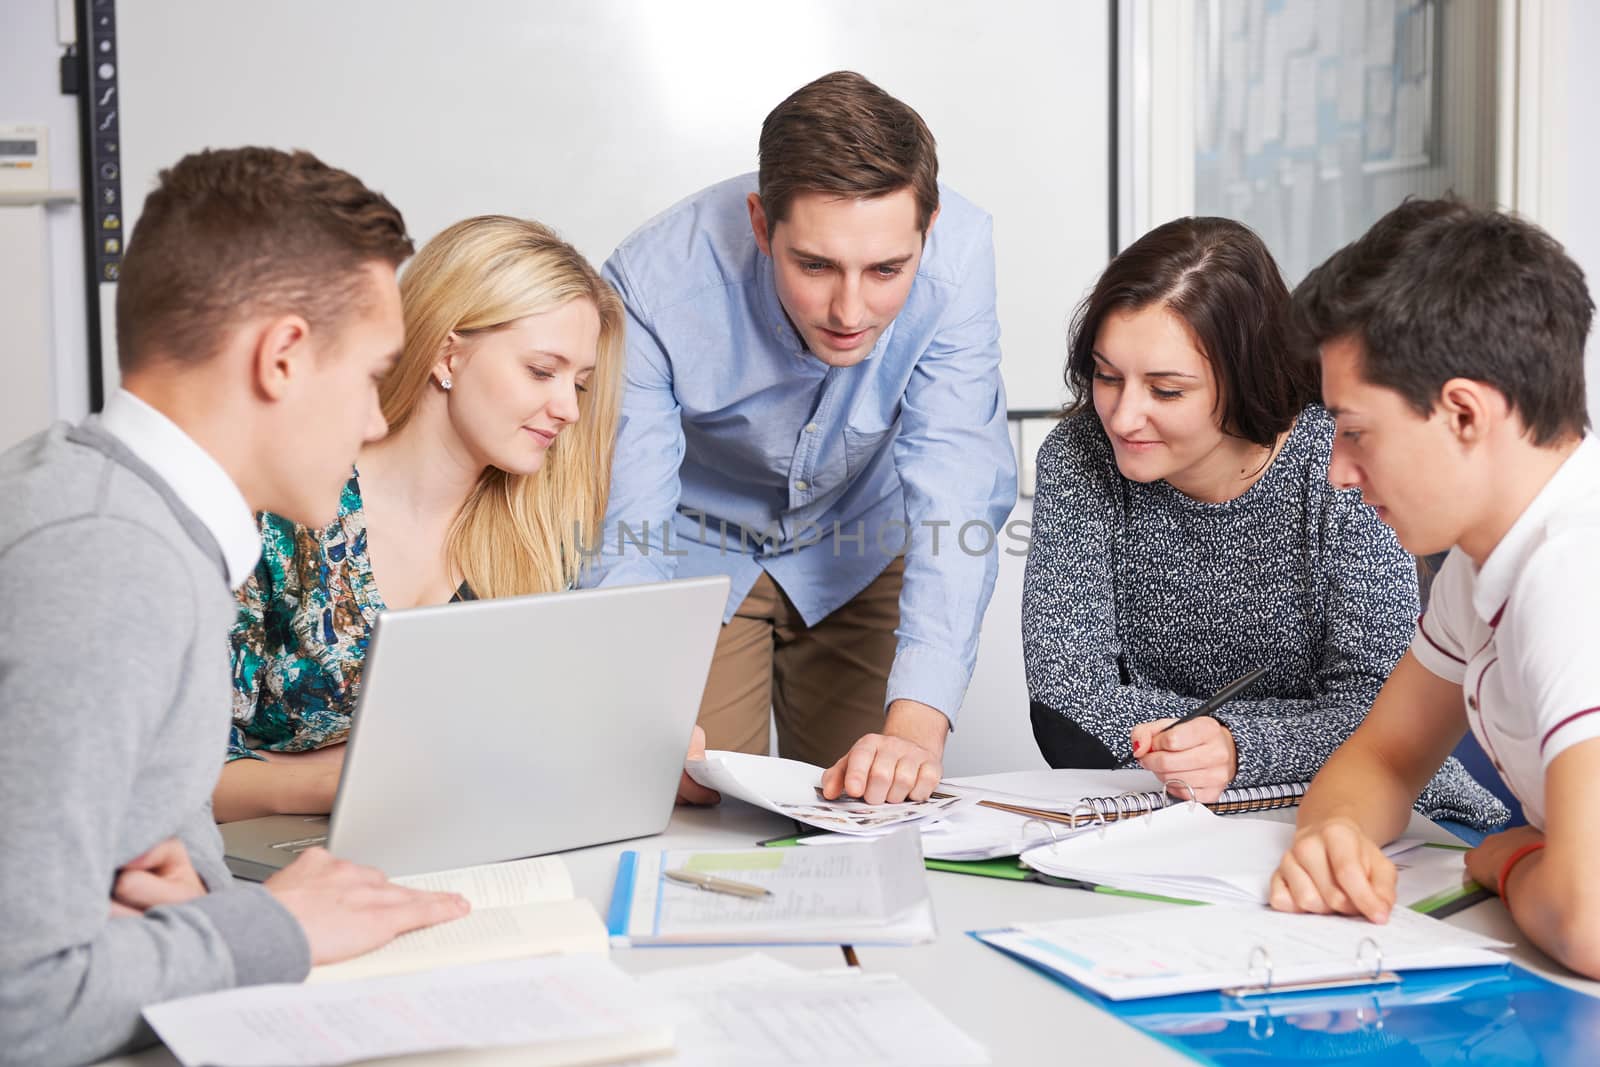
x: 814, y: 407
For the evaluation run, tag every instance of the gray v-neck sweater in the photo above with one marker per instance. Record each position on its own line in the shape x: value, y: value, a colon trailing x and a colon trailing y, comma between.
x: 114, y: 711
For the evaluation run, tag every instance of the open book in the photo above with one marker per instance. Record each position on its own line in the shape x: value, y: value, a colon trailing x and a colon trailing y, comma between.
x: 519, y: 908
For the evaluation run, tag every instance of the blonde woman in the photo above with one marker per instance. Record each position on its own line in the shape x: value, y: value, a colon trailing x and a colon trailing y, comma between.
x: 502, y: 410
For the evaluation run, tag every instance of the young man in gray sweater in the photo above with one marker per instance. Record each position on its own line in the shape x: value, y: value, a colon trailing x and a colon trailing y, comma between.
x: 257, y: 310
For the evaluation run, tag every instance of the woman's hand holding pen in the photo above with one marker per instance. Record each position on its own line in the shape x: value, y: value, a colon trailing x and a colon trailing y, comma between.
x: 1200, y: 752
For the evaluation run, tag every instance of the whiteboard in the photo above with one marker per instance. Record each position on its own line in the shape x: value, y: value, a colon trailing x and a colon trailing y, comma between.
x: 595, y: 115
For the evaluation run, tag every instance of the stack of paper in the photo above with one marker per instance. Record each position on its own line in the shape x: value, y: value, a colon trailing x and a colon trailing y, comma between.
x: 793, y: 789
x: 1190, y: 853
x: 1148, y: 954
x: 870, y: 892
x: 561, y: 1010
x: 757, y: 1012
x: 520, y: 908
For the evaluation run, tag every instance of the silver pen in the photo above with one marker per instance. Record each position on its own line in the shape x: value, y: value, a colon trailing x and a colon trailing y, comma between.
x: 718, y: 885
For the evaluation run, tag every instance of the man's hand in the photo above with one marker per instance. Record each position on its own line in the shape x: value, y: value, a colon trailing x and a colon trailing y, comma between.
x: 346, y: 910
x: 689, y: 790
x: 1334, y: 867
x: 1485, y: 861
x: 163, y: 875
x: 902, y: 763
x: 1200, y: 753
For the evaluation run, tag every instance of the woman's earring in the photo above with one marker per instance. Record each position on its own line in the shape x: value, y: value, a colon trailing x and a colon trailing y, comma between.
x: 445, y: 384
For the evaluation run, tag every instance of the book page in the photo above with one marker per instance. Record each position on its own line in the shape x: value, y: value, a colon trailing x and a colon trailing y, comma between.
x: 583, y: 1004
x: 564, y: 926
x: 501, y: 885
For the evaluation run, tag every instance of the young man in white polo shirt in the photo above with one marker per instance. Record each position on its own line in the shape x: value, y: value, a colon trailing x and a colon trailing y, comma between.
x: 1452, y: 356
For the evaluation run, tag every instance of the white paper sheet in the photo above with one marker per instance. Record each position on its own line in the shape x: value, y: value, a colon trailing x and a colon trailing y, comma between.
x: 756, y: 1012
x: 1189, y: 949
x: 537, y: 1003
x: 789, y: 788
x: 1185, y: 851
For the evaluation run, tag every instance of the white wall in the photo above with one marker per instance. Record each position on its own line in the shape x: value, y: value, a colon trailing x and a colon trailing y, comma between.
x: 1582, y: 227
x: 993, y: 732
x: 30, y: 93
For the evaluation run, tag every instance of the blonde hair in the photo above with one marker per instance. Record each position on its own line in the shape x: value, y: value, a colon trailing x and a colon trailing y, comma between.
x: 515, y: 534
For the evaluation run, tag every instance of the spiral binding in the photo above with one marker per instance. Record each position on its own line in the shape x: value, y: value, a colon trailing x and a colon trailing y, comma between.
x: 1236, y: 801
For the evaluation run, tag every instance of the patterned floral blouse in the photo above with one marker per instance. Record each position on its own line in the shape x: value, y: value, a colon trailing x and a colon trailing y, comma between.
x: 300, y: 640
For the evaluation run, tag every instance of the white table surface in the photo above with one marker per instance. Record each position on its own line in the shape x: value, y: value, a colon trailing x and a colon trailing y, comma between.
x: 1019, y: 1015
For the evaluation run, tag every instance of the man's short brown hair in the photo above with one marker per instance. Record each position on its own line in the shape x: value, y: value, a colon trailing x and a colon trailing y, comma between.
x: 843, y: 136
x: 230, y: 234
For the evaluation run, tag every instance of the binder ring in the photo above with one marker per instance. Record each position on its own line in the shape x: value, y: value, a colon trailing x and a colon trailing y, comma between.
x: 1127, y: 806
x: 1170, y: 782
x: 1260, y: 953
x: 1096, y: 816
x: 1265, y: 1034
x: 1377, y: 1015
x: 1049, y: 827
x: 1377, y: 953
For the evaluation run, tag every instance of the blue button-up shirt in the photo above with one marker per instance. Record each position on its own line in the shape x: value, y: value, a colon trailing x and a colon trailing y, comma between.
x: 743, y: 452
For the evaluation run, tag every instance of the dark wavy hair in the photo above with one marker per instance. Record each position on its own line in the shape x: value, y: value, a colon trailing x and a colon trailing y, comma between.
x: 1217, y: 276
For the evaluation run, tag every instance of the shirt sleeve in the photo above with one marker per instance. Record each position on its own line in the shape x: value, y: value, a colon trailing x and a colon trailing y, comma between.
x: 957, y: 466
x: 645, y: 470
x: 1437, y: 641
x: 81, y: 690
x: 1551, y: 636
x: 1072, y: 652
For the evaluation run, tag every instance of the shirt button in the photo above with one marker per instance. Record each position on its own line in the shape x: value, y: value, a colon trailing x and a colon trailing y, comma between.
x: 811, y: 427
x: 802, y: 486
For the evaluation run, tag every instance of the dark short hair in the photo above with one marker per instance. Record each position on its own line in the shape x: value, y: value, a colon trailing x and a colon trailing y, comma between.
x: 229, y: 234
x: 1438, y: 289
x: 1217, y: 276
x: 843, y: 136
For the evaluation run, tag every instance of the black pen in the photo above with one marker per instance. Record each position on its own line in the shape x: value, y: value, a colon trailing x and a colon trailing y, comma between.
x: 1221, y: 697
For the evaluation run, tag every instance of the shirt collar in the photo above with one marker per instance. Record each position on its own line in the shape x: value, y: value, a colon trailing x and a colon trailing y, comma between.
x: 1576, y: 477
x: 191, y: 472
x: 783, y: 330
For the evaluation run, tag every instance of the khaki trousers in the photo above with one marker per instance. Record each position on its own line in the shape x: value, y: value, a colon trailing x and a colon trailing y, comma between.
x: 824, y: 685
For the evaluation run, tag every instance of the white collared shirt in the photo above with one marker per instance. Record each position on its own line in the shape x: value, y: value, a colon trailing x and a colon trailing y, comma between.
x: 1521, y: 635
x: 191, y: 472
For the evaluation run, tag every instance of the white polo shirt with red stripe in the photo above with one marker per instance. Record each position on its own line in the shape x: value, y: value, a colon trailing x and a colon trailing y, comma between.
x: 1521, y: 634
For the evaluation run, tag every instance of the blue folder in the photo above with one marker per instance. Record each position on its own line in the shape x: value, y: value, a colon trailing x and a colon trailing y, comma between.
x: 1481, y: 1015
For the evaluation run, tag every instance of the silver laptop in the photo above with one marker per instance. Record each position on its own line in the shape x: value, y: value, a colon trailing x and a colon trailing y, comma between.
x: 496, y: 729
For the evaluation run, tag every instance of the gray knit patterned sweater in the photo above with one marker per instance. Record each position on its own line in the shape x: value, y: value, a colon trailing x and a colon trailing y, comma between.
x: 1139, y: 602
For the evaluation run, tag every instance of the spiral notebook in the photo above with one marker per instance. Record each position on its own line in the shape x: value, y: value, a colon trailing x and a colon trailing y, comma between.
x: 1084, y: 797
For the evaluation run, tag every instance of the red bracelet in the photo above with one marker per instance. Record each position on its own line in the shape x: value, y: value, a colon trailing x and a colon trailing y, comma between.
x: 1511, y: 861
